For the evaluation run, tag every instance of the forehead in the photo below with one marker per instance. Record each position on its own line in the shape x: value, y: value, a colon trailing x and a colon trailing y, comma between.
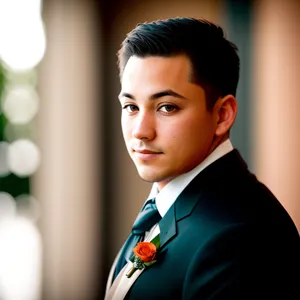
x: 166, y: 70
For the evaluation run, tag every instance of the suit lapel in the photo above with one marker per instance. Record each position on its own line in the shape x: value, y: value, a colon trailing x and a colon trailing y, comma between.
x: 167, y: 227
x: 182, y: 208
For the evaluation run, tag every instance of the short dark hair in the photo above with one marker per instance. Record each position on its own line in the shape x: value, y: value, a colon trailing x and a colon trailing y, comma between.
x: 215, y: 61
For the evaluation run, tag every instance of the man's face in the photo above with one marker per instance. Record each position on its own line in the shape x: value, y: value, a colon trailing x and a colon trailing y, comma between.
x: 166, y: 126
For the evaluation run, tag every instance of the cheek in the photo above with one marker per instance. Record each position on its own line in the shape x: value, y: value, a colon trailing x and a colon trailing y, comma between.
x: 189, y: 136
x: 183, y: 131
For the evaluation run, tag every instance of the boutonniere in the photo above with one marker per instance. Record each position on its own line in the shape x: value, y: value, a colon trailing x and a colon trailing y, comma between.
x: 145, y: 254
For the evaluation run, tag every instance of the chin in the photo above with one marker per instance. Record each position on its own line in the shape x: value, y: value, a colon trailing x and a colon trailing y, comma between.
x: 153, y: 176
x: 149, y: 176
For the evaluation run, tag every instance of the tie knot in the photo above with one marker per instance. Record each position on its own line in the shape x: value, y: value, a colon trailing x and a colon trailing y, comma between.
x: 146, y: 219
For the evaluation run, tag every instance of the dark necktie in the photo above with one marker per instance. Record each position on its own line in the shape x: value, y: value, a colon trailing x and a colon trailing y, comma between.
x: 145, y: 220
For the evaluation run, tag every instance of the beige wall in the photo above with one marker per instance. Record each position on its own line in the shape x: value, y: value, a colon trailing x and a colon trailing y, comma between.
x: 68, y: 183
x: 276, y: 102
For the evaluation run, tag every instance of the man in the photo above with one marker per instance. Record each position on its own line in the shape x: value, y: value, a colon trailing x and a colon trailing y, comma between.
x: 222, y: 234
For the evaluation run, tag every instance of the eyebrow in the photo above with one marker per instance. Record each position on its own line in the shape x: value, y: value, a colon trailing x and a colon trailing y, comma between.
x: 155, y: 95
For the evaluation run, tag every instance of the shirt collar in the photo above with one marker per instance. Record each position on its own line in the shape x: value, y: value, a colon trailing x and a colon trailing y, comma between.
x: 167, y: 196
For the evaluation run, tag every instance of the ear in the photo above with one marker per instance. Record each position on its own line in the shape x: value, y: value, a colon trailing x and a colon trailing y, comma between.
x: 225, y: 110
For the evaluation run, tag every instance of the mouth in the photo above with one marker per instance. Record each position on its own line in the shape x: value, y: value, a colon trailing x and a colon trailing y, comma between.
x: 145, y: 154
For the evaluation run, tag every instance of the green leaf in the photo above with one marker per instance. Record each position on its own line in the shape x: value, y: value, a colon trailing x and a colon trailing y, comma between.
x: 156, y: 241
x: 148, y: 264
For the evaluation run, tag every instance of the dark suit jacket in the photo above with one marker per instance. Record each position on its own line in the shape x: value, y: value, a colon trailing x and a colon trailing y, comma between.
x: 225, y: 237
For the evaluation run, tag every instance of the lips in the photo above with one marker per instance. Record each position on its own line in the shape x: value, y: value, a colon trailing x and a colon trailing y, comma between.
x: 145, y: 151
x: 145, y: 154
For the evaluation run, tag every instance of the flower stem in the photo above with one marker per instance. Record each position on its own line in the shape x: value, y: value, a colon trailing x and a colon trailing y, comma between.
x: 129, y: 274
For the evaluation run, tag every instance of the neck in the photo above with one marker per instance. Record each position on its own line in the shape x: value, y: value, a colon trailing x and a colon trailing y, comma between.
x: 217, y: 140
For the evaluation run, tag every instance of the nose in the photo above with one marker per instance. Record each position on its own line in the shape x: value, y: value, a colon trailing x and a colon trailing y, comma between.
x: 144, y: 127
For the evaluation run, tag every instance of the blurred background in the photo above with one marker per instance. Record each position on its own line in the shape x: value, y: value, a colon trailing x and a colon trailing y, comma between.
x: 68, y: 190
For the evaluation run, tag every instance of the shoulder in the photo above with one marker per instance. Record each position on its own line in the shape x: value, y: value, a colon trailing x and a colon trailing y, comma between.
x: 227, y: 194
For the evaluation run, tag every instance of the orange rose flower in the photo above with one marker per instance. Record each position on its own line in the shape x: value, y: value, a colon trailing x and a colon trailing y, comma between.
x: 146, y: 251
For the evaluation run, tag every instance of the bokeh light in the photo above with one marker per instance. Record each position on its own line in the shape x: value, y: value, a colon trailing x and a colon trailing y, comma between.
x: 20, y: 104
x: 20, y: 259
x: 23, y: 157
x: 22, y: 36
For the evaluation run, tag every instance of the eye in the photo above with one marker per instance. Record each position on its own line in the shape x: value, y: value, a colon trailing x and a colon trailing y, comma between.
x: 168, y: 108
x: 130, y: 108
